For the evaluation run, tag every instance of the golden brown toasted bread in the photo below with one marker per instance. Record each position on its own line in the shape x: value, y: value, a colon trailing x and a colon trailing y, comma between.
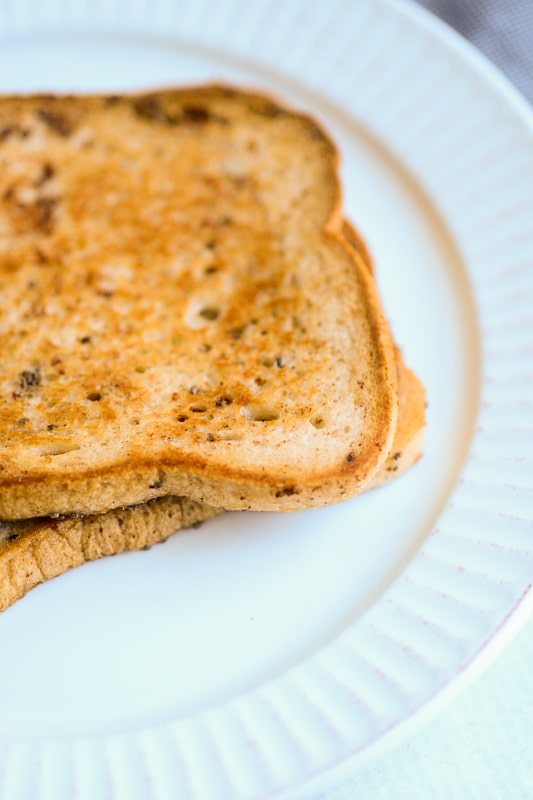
x: 180, y: 314
x: 35, y: 550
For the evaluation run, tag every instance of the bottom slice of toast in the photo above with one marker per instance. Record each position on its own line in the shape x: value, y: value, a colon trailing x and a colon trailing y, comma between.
x: 35, y: 550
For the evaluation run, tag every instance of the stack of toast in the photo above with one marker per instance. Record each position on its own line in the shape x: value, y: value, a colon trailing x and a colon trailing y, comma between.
x: 188, y: 324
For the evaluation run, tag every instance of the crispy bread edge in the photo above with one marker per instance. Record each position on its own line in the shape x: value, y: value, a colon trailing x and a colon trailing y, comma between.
x: 407, y: 447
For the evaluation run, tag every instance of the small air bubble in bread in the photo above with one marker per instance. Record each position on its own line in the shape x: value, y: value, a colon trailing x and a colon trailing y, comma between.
x: 260, y: 413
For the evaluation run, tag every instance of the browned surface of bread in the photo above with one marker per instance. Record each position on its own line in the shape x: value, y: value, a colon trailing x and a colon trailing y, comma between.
x: 33, y: 551
x: 180, y: 314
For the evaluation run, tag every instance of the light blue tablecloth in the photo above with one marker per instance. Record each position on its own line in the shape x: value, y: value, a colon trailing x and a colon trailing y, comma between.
x: 481, y: 746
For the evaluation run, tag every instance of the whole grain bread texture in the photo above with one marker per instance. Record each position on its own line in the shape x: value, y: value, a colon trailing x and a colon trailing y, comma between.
x: 180, y: 313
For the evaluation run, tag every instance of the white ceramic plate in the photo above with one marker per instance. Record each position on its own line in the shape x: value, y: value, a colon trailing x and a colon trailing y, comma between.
x: 253, y: 656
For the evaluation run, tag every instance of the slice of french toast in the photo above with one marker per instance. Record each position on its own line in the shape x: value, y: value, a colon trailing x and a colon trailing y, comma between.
x: 179, y: 312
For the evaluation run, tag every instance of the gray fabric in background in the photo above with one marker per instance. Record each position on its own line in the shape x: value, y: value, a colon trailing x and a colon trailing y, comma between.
x: 502, y: 29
